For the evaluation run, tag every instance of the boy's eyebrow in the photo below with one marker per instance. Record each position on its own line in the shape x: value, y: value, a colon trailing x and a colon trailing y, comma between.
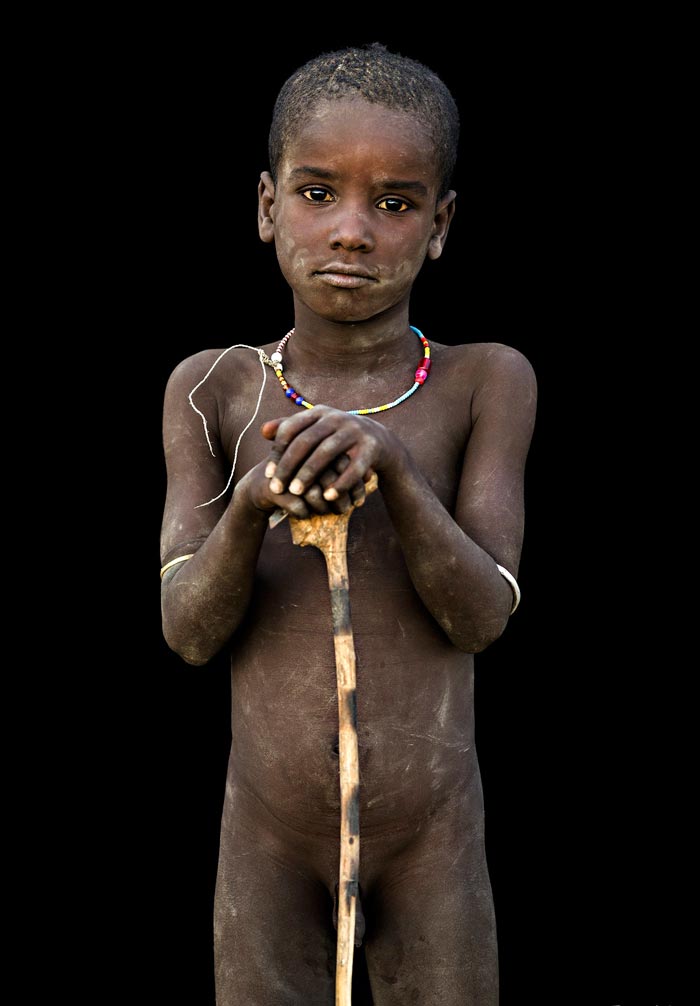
x: 307, y: 169
x: 399, y: 183
x: 386, y: 183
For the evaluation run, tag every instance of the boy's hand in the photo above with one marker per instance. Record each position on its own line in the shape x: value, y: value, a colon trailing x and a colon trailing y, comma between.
x: 325, y: 455
x: 257, y: 487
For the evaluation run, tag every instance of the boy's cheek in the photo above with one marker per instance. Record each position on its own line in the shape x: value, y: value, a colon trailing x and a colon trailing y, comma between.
x: 294, y: 264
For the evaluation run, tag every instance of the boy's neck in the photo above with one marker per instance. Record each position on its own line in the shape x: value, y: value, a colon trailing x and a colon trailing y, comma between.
x: 354, y: 347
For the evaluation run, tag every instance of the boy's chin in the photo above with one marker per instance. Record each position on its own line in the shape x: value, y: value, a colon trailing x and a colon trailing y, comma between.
x: 345, y: 313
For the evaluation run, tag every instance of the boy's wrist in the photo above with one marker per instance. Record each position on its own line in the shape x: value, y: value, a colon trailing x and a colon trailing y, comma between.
x: 242, y: 498
x: 398, y: 461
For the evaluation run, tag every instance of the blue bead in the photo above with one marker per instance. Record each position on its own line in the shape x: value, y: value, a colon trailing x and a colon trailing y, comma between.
x: 289, y: 392
x: 300, y: 400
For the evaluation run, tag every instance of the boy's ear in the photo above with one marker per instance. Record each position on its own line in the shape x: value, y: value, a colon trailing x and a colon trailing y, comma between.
x: 444, y: 211
x: 266, y: 204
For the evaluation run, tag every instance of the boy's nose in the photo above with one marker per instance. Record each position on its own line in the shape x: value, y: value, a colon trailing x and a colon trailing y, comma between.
x: 351, y: 231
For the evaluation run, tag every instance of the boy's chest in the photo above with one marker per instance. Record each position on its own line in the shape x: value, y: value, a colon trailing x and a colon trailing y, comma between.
x: 433, y: 424
x: 436, y: 436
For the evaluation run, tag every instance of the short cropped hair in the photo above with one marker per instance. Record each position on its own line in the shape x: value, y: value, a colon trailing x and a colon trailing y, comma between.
x: 378, y: 76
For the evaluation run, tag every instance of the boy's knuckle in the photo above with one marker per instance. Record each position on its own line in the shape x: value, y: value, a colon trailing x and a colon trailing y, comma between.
x: 334, y: 443
x: 305, y: 474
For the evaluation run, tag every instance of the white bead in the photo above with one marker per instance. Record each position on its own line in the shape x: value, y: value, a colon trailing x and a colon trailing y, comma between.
x: 276, y: 357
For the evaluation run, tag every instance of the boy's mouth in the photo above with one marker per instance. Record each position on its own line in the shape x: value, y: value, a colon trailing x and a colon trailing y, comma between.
x: 347, y: 276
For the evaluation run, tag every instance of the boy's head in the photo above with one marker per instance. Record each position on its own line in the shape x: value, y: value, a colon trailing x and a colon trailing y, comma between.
x: 379, y: 77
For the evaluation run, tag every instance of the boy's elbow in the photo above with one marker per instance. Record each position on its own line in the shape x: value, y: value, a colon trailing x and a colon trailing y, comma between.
x: 193, y: 653
x: 476, y: 638
x: 194, y: 659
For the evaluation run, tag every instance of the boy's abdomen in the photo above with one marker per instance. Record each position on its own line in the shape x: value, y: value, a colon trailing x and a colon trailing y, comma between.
x: 414, y: 691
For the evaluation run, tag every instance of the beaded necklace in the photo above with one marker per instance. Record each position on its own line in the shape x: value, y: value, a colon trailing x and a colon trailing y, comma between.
x: 275, y: 362
x: 420, y: 377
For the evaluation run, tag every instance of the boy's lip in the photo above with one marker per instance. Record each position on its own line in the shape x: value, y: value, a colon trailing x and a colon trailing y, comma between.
x: 348, y: 276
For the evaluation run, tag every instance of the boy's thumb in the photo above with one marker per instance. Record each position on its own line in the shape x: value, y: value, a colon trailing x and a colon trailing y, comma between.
x: 269, y: 429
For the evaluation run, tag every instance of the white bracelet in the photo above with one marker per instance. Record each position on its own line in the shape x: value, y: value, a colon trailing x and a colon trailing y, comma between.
x: 514, y: 585
x: 168, y: 565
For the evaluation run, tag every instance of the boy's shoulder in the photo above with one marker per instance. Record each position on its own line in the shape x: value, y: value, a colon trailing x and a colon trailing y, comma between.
x: 218, y: 367
x: 488, y: 374
x: 484, y: 359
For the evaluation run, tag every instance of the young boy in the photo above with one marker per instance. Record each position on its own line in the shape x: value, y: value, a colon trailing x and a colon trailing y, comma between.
x: 362, y: 147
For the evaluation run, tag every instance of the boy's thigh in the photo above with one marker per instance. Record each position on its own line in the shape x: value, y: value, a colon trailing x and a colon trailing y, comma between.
x: 274, y: 942
x: 431, y: 935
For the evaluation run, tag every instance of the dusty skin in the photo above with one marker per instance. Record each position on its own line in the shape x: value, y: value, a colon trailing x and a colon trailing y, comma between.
x: 425, y: 591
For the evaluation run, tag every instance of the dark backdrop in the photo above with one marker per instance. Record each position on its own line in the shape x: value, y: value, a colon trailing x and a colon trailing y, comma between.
x: 579, y: 855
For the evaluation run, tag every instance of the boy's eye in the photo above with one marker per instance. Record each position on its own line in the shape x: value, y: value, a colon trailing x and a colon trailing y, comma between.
x: 316, y: 195
x: 393, y: 204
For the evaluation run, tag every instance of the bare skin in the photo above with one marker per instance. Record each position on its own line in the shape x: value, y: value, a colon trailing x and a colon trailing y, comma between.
x: 425, y: 591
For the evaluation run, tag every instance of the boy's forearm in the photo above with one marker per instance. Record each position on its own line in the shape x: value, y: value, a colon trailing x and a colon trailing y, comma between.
x: 204, y: 599
x: 455, y: 578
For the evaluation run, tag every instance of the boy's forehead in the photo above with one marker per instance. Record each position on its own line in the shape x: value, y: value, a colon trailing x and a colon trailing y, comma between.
x: 351, y: 129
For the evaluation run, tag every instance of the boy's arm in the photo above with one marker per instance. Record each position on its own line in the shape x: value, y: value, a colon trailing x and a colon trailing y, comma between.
x: 451, y: 559
x: 204, y: 598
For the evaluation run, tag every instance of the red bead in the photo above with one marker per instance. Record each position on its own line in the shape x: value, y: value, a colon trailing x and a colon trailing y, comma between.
x: 421, y: 375
x: 425, y: 363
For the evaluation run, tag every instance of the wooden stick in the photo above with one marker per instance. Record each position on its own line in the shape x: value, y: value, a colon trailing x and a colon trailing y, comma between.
x: 329, y: 533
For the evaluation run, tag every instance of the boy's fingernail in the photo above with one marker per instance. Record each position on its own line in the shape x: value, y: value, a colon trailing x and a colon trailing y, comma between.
x: 270, y: 469
x: 330, y: 494
x: 276, y: 486
x: 296, y: 487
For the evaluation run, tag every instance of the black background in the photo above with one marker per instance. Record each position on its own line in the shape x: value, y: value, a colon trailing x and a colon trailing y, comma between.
x: 574, y: 724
